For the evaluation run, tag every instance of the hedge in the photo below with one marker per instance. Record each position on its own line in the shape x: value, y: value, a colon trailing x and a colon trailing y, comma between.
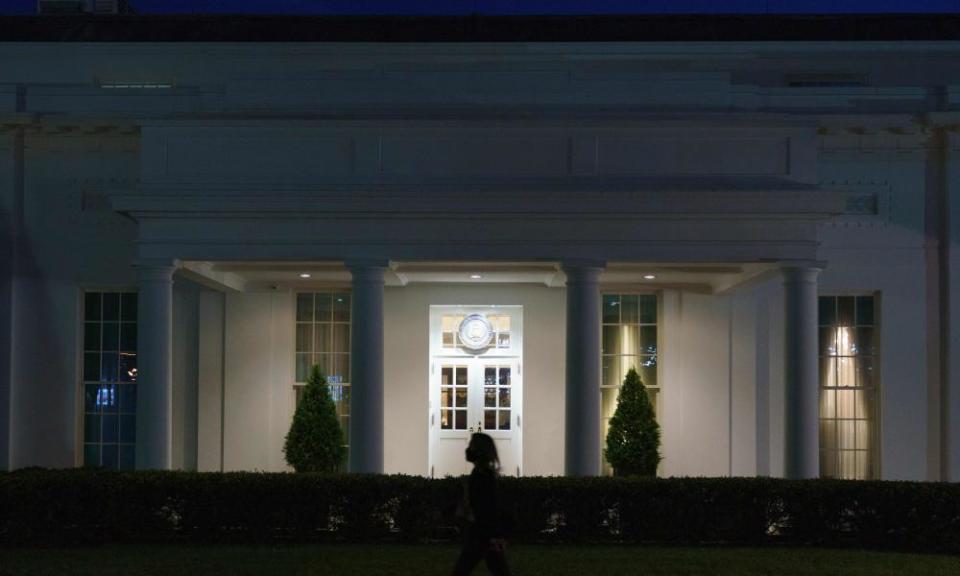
x: 79, y: 507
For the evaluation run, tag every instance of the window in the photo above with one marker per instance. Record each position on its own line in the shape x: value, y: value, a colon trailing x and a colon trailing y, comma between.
x: 323, y: 339
x: 629, y: 340
x: 109, y: 379
x: 849, y: 360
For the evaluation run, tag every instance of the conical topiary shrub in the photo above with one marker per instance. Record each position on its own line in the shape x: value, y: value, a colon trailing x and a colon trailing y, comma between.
x: 633, y: 441
x: 315, y: 440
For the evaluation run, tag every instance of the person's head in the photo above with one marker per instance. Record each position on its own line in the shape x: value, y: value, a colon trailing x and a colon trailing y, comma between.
x: 482, y: 452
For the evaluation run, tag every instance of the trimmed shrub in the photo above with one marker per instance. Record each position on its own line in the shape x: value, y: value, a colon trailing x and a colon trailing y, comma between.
x: 633, y: 441
x: 315, y: 440
x: 89, y: 507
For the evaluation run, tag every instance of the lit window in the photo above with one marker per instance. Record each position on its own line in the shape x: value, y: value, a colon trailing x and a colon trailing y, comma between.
x: 109, y: 379
x: 849, y: 366
x: 629, y: 340
x: 323, y: 339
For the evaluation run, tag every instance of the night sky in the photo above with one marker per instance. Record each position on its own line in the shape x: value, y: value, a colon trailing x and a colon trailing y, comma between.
x: 506, y: 7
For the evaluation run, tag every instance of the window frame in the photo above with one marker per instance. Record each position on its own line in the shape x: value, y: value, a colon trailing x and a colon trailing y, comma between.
x: 878, y: 356
x: 79, y: 350
x: 297, y: 386
x: 657, y: 401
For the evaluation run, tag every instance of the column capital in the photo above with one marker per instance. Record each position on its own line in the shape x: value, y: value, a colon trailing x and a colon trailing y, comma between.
x: 361, y: 263
x: 801, y: 271
x: 578, y: 270
x: 156, y: 270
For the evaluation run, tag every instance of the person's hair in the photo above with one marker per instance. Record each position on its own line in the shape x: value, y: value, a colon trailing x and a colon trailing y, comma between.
x: 485, y: 451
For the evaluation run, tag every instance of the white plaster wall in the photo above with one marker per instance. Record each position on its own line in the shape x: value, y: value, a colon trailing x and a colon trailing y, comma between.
x: 69, y: 242
x: 8, y: 220
x: 186, y: 296
x: 258, y: 379
x: 210, y: 382
x: 885, y: 255
x: 406, y: 366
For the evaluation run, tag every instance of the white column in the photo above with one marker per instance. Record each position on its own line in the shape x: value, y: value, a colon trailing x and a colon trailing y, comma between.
x: 801, y: 379
x: 582, y: 431
x: 154, y: 365
x: 366, y: 366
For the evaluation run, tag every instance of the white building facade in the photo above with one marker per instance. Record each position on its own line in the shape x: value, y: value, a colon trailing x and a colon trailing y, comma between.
x: 483, y: 234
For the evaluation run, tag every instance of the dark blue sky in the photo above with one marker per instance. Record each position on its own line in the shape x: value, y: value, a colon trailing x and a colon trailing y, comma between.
x: 503, y: 7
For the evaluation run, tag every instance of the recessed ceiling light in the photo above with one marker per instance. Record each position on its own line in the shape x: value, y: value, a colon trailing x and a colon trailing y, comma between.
x: 649, y: 276
x: 304, y: 275
x: 475, y: 276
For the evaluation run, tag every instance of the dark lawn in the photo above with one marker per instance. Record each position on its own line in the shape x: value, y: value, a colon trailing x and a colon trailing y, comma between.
x: 401, y: 560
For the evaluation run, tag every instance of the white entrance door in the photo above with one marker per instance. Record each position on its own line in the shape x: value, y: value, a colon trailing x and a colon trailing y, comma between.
x: 475, y: 390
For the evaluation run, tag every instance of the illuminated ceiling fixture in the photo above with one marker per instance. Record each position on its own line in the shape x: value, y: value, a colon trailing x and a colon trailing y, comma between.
x: 649, y: 276
x: 304, y: 275
x: 475, y: 276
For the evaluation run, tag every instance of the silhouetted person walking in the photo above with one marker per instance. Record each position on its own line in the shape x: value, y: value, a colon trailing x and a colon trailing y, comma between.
x: 484, y: 534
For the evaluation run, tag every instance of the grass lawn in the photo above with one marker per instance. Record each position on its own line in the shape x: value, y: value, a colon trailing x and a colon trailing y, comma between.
x: 399, y: 560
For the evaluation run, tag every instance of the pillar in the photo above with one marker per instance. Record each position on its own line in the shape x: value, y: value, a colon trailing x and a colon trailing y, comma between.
x: 582, y: 430
x: 801, y: 376
x: 366, y: 367
x: 154, y: 365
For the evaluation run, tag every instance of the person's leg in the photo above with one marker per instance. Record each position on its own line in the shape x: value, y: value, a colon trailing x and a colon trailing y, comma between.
x: 497, y: 562
x: 471, y: 554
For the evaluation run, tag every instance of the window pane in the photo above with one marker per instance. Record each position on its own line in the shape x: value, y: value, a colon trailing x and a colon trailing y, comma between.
x: 111, y: 336
x: 505, y: 398
x: 128, y: 337
x: 128, y: 429
x: 109, y: 363
x: 128, y: 398
x: 608, y: 403
x: 648, y: 370
x: 865, y: 342
x: 446, y: 398
x: 611, y: 371
x: 322, y: 338
x: 504, y: 423
x: 91, y: 366
x: 845, y: 310
x: 629, y: 339
x: 446, y: 376
x: 304, y: 337
x: 461, y: 419
x: 110, y: 428
x: 340, y: 370
x: 446, y: 419
x: 341, y: 307
x: 108, y: 400
x: 461, y: 373
x: 128, y: 367
x: 91, y: 455
x: 304, y: 307
x: 611, y: 308
x: 865, y: 371
x: 127, y: 460
x: 303, y: 367
x: 648, y: 309
x: 341, y: 338
x: 91, y: 428
x: 111, y: 307
x: 504, y: 377
x: 828, y: 341
x: 865, y: 310
x: 490, y: 419
x: 490, y: 397
x: 91, y: 336
x: 90, y: 397
x: 322, y: 307
x: 611, y: 339
x: 110, y: 456
x: 490, y: 376
x: 827, y: 311
x: 629, y: 309
x: 648, y: 339
x: 462, y: 398
x: 128, y: 307
x: 91, y: 306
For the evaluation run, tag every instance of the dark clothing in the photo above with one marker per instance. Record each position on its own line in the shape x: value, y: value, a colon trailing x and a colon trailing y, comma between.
x: 476, y: 548
x: 483, y: 501
x: 483, y: 508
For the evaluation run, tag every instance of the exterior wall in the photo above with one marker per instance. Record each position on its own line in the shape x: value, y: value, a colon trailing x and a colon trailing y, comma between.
x: 70, y: 240
x: 885, y: 254
x: 722, y: 367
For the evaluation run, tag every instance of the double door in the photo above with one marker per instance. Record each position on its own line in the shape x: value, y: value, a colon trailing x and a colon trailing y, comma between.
x: 475, y: 394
